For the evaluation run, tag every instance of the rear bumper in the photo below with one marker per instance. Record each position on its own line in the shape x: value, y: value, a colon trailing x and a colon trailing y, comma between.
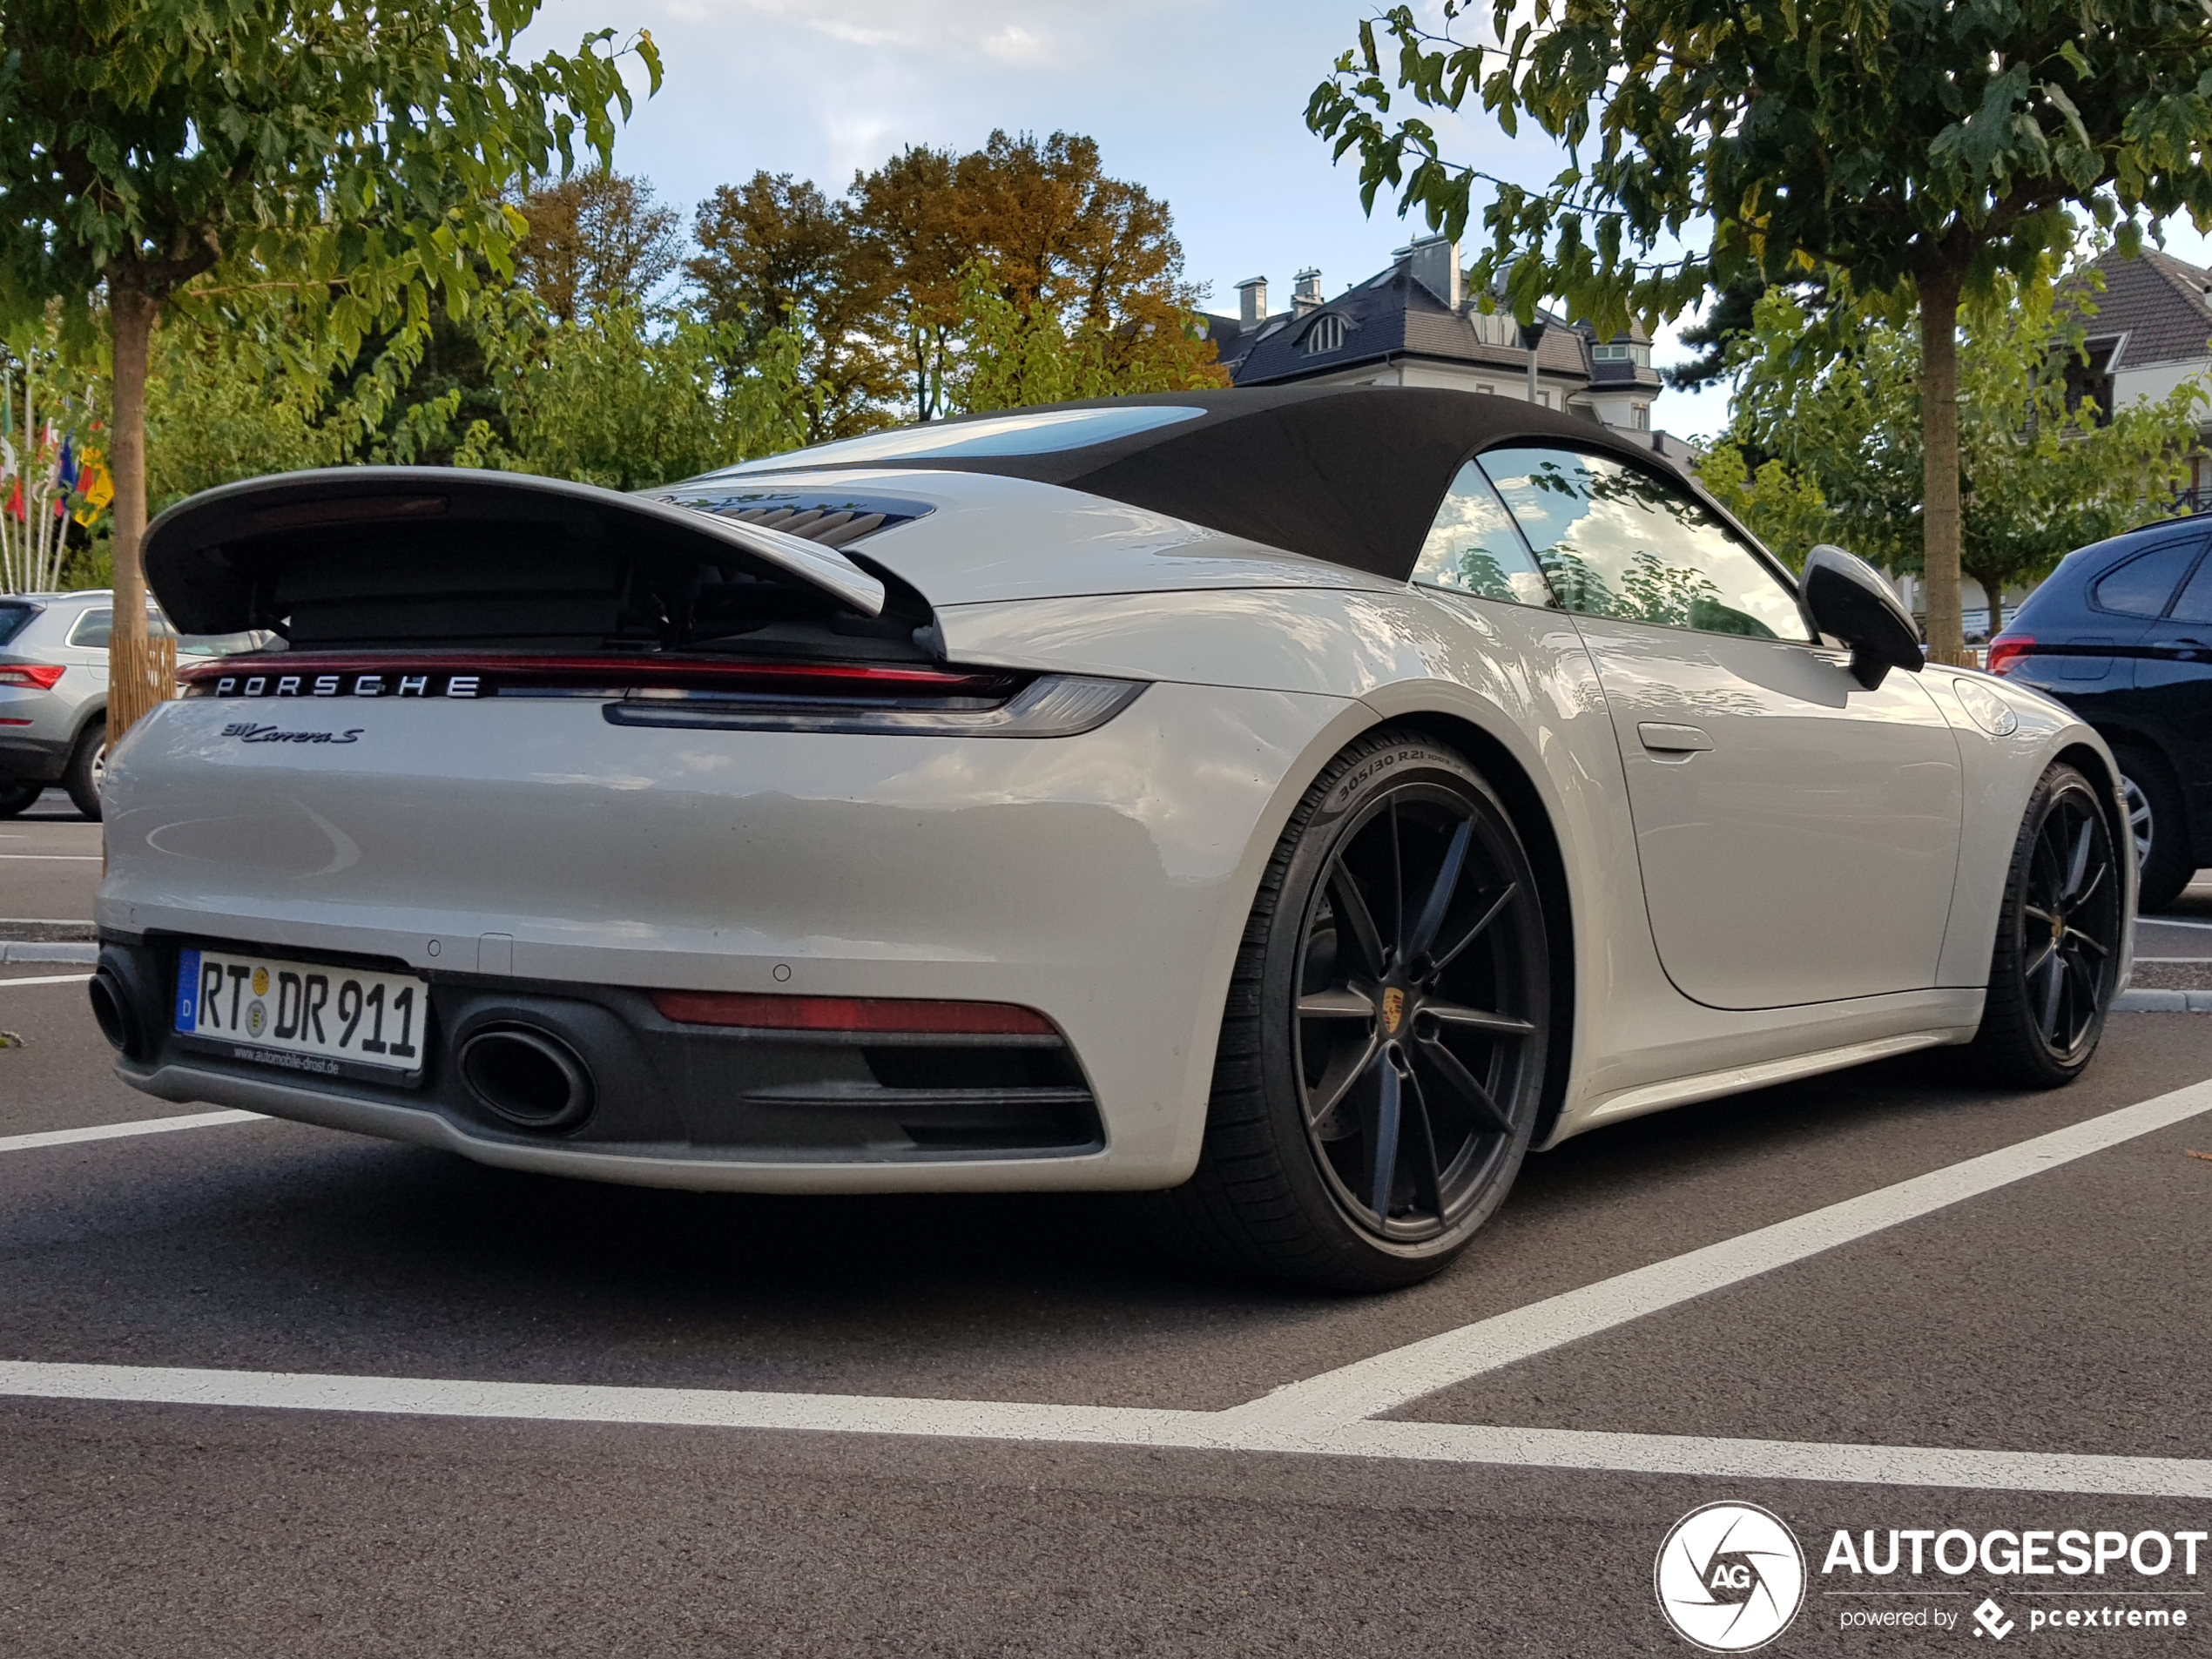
x: 27, y: 760
x: 671, y: 1104
x: 1102, y: 880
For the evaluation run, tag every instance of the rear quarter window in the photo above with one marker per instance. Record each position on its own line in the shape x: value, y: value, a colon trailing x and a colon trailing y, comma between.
x: 2140, y: 586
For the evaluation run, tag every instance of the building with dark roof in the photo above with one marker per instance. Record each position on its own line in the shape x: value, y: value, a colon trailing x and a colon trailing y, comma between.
x: 2150, y: 332
x: 1415, y: 324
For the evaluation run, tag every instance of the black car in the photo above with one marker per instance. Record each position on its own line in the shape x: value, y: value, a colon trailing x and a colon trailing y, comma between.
x: 2122, y: 632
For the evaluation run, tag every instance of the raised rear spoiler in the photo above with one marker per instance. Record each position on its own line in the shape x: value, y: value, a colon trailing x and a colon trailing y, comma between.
x: 381, y: 548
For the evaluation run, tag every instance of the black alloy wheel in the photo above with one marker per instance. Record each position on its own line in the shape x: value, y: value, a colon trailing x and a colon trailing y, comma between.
x: 1397, y: 982
x: 2055, y: 966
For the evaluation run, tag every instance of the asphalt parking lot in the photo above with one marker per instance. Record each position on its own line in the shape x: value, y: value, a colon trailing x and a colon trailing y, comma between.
x: 271, y: 1389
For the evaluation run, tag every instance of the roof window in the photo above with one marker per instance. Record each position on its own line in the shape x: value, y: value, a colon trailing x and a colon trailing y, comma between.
x: 1326, y: 335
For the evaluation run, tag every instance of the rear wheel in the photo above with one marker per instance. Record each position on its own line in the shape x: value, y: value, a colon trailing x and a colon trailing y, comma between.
x: 1382, y: 1057
x: 2054, y: 968
x: 87, y: 764
x: 2157, y: 826
x: 14, y: 797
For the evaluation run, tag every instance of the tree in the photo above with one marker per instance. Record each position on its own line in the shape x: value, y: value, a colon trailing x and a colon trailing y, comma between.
x: 627, y: 401
x: 1055, y: 230
x: 1921, y: 146
x: 1834, y: 401
x: 1008, y: 358
x: 596, y: 240
x: 355, y: 155
x: 777, y: 258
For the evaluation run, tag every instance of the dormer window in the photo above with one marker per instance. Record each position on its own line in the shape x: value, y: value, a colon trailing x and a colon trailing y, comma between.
x: 1623, y: 352
x: 1326, y: 335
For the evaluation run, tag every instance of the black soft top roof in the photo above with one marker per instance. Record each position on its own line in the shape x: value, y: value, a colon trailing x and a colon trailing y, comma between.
x: 1352, y: 474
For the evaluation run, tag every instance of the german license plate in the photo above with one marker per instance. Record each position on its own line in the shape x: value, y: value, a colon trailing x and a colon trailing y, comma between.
x: 305, y: 1016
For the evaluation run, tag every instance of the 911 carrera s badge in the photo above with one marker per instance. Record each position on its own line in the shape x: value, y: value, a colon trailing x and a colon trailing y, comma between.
x: 1393, y: 1010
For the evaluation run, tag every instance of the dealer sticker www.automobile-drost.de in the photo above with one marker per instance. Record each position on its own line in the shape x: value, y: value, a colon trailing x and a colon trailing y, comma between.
x: 1731, y: 1578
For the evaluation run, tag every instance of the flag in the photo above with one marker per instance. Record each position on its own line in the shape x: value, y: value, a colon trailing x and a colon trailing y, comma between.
x: 7, y: 457
x: 96, y: 488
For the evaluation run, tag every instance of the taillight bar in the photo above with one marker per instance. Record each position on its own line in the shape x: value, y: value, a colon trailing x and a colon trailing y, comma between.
x: 2007, y: 649
x: 37, y: 677
x: 484, y: 674
x: 861, y: 1015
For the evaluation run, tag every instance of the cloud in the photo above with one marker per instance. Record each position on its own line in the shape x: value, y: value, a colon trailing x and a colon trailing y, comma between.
x: 1014, y: 44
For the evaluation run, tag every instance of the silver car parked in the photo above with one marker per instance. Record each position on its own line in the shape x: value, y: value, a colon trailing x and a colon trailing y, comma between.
x: 53, y: 691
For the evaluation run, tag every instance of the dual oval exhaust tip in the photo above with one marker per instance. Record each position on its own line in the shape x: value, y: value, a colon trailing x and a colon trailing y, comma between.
x: 527, y: 1076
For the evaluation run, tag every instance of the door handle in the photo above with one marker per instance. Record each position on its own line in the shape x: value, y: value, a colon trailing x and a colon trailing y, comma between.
x: 1662, y: 740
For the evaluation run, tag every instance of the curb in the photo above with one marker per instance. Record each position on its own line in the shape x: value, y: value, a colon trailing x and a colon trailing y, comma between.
x: 49, y: 952
x: 2163, y: 1002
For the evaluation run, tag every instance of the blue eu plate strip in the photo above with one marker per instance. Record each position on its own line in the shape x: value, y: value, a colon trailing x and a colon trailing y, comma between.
x: 188, y: 992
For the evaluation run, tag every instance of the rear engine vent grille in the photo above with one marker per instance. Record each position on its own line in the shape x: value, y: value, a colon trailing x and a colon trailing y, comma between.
x: 832, y: 522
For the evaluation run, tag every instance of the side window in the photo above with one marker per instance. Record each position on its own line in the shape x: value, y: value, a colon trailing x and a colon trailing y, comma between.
x: 95, y: 628
x: 2195, y: 603
x: 1472, y: 547
x: 2140, y: 586
x: 1616, y: 542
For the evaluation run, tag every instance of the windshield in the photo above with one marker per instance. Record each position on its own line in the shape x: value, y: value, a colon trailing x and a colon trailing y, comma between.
x: 1040, y: 433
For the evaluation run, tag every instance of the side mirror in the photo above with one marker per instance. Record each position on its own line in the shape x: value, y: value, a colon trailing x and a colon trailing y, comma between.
x: 1848, y: 600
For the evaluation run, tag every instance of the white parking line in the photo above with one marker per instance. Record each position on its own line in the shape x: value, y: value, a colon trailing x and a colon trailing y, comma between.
x: 119, y: 1131
x: 1328, y: 1415
x: 1371, y: 1387
x: 48, y: 979
x: 1113, y: 1426
x: 53, y: 858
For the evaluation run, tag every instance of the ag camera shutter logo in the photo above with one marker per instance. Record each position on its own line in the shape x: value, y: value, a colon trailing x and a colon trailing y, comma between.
x: 1729, y: 1577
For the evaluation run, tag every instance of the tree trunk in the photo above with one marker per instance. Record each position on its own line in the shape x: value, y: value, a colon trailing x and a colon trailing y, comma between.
x: 138, y: 677
x: 1940, y: 460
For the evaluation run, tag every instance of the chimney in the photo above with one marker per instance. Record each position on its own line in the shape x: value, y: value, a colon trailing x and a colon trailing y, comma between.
x: 1305, y: 292
x: 1251, y: 303
x: 1434, y: 263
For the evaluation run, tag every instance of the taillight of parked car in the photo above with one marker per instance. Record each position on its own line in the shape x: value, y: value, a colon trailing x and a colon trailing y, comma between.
x: 2007, y: 649
x: 37, y: 677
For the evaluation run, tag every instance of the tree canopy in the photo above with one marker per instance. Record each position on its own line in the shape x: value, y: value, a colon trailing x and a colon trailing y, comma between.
x: 1927, y: 145
x: 356, y: 157
x: 873, y: 281
x: 1825, y: 443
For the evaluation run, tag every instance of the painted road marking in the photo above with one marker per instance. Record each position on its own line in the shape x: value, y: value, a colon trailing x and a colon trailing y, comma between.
x: 118, y: 1131
x: 1009, y: 1420
x: 1328, y: 1415
x: 53, y: 858
x: 1370, y: 1387
x: 49, y: 978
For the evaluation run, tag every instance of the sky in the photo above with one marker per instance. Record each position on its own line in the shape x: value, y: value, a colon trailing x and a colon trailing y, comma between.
x: 1201, y: 101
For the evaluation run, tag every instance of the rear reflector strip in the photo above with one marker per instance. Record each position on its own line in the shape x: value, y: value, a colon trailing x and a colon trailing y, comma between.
x: 1057, y: 705
x: 877, y: 1016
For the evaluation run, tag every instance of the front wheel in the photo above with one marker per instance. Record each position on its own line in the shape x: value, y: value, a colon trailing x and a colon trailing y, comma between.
x: 2056, y: 961
x: 1382, y: 1056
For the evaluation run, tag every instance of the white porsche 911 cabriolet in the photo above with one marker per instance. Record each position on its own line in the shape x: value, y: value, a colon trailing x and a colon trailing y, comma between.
x: 1312, y: 800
